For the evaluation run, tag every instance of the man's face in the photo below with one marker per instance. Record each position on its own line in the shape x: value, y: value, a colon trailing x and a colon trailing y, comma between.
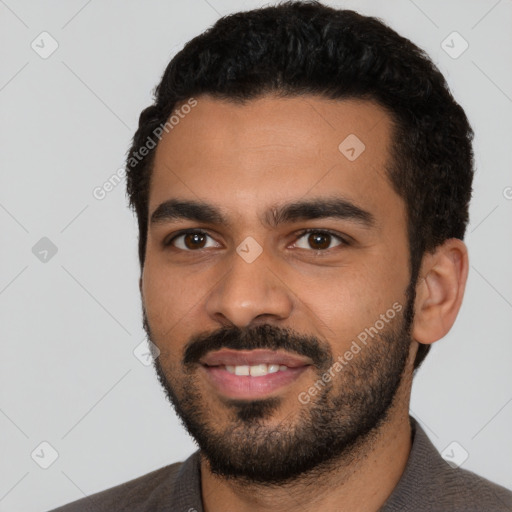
x: 249, y: 288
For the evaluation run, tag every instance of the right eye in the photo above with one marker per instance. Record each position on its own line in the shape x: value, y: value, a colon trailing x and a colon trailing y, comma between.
x: 190, y: 240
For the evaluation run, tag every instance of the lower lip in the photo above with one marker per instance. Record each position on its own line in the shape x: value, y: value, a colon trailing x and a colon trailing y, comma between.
x: 245, y: 386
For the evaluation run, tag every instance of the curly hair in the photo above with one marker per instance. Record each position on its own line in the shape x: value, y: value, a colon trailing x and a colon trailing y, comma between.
x: 305, y: 48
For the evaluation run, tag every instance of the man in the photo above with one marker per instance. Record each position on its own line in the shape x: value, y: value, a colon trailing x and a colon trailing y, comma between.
x: 301, y: 185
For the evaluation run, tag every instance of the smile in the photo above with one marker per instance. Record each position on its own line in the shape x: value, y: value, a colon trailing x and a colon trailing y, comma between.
x: 251, y: 374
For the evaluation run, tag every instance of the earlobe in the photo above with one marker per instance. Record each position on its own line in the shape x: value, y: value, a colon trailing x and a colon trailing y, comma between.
x: 440, y: 290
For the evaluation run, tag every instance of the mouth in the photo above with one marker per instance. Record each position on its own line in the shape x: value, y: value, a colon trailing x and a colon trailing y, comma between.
x: 252, y: 374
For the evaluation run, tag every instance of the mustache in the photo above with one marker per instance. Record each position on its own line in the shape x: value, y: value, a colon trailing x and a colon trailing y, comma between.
x: 261, y: 336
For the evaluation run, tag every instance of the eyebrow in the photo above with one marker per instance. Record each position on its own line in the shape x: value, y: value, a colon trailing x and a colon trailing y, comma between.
x: 316, y: 208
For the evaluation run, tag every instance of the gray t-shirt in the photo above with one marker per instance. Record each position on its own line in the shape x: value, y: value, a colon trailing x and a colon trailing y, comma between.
x: 428, y: 484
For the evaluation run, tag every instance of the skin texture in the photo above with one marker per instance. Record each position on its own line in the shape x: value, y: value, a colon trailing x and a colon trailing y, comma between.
x: 246, y: 159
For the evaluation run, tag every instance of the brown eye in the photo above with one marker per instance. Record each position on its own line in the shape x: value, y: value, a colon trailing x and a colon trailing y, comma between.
x: 190, y: 241
x: 194, y: 240
x: 318, y: 240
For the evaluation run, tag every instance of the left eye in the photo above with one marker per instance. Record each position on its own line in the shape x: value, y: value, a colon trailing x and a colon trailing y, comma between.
x: 318, y: 240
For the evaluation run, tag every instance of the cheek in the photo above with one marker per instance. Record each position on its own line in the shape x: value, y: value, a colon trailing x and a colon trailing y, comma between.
x: 342, y: 301
x: 169, y: 300
x: 347, y: 300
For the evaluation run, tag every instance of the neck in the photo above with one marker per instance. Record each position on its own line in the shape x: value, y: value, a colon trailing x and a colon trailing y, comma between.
x: 361, y: 480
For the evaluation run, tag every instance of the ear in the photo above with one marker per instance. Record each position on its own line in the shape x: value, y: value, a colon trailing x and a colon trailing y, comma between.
x: 439, y: 291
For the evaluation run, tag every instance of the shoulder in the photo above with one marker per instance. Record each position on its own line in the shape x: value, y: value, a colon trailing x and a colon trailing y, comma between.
x: 140, y: 492
x: 460, y: 489
x: 454, y: 488
x: 430, y: 484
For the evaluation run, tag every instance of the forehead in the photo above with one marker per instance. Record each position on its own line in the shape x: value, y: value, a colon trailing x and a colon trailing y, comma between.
x: 246, y: 156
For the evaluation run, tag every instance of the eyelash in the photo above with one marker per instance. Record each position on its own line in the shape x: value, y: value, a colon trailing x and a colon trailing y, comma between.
x: 300, y: 234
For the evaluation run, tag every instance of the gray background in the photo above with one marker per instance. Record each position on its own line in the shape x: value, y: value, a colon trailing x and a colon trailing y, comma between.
x: 70, y: 323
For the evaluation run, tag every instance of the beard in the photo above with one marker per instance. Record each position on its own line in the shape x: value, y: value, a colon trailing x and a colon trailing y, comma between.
x: 317, y: 436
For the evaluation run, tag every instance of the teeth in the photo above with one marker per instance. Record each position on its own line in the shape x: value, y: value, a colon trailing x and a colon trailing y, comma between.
x: 242, y: 370
x: 257, y: 370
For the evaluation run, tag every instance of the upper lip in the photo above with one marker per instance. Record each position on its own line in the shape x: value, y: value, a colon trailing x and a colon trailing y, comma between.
x: 253, y: 357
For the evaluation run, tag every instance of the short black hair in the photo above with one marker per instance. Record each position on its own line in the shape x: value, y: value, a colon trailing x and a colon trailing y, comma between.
x: 300, y: 48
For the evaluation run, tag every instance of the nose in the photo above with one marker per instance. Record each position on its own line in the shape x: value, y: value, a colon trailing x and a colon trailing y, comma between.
x: 250, y: 293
